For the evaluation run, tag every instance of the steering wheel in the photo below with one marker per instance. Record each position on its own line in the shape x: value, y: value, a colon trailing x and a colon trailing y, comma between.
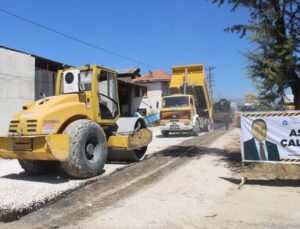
x: 114, y: 101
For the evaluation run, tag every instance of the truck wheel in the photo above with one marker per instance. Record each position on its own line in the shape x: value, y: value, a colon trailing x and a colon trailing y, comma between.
x: 165, y: 133
x: 196, y: 128
x: 39, y: 167
x: 209, y: 127
x: 88, y: 149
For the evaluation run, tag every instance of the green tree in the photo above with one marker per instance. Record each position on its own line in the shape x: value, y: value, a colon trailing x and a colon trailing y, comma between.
x: 274, y: 31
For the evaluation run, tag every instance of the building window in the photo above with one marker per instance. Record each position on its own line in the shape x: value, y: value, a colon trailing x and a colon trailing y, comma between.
x: 137, y: 92
x: 164, y: 89
x: 157, y: 104
x: 144, y: 91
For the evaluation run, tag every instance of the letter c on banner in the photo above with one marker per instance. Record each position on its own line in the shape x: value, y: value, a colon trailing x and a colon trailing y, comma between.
x: 283, y: 142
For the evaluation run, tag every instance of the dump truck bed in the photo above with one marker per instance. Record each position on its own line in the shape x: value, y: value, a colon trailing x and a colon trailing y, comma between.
x: 194, y: 77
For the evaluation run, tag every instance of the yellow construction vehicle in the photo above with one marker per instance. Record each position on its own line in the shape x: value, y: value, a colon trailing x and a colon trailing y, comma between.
x: 79, y: 128
x: 189, y: 107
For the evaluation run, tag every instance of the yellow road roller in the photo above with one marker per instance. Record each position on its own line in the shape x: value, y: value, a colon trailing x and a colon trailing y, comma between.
x: 79, y: 128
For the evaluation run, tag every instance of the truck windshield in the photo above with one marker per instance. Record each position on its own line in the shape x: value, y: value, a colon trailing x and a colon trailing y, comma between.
x: 178, y: 101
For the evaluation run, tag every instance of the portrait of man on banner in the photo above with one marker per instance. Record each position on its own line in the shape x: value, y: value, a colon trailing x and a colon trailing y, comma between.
x: 258, y: 148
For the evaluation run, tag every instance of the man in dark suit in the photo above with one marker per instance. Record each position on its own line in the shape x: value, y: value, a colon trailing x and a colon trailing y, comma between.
x: 258, y: 148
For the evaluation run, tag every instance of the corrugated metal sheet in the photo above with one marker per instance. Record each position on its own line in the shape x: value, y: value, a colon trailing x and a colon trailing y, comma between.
x: 44, y: 82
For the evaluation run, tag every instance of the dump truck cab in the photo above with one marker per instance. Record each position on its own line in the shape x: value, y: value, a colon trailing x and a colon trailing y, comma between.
x: 177, y: 112
x: 78, y: 128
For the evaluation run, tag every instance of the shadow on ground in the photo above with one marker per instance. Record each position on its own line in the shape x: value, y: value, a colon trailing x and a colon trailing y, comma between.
x: 54, y: 178
x: 268, y: 174
x: 176, y: 135
x: 58, y: 177
x: 274, y: 183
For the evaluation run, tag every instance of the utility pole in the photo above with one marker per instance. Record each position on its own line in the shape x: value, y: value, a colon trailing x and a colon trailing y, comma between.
x: 211, y: 80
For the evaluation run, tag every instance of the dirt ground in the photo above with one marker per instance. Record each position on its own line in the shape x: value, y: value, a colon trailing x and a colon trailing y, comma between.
x: 204, y: 194
x: 191, y: 185
x: 179, y: 200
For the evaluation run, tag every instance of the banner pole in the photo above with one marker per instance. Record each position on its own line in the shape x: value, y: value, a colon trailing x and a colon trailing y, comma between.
x: 244, y: 178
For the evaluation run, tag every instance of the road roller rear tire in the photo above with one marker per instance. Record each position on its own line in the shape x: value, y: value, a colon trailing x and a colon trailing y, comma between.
x: 140, y: 153
x: 88, y: 149
x: 33, y: 167
x: 132, y: 155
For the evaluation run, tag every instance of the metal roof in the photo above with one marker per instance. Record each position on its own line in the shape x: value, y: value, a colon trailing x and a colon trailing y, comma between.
x: 36, y: 56
x: 128, y: 71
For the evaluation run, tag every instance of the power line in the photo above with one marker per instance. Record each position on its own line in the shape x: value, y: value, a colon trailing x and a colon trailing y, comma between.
x: 74, y: 38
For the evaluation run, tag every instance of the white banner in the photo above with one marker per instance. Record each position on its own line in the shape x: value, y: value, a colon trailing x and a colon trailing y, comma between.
x: 271, y: 137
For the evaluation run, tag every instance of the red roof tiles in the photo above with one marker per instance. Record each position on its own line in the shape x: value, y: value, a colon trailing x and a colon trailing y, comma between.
x: 157, y: 75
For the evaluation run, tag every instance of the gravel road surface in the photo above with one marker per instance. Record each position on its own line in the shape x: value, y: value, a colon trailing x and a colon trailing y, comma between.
x: 21, y: 193
x: 167, y: 167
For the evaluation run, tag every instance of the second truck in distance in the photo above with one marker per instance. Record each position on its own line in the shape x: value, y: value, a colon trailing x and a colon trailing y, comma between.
x: 188, y: 108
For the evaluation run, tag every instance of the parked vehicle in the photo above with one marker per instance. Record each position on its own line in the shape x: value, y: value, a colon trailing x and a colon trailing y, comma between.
x: 223, y: 111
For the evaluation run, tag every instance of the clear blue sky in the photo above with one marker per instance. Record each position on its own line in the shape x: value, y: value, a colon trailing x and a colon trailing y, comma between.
x: 161, y: 33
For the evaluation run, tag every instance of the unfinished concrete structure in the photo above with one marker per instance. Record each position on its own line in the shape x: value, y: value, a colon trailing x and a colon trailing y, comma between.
x: 23, y: 77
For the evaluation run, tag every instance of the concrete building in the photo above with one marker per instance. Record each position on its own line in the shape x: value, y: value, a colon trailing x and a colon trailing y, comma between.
x: 16, y: 84
x: 129, y: 74
x: 126, y: 90
x: 251, y: 99
x: 149, y: 101
x: 23, y: 77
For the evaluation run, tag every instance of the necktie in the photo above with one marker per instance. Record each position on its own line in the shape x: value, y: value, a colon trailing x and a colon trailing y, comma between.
x: 262, y: 151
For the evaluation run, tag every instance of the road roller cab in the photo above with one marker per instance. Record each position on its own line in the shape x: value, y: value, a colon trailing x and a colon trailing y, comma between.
x: 79, y: 128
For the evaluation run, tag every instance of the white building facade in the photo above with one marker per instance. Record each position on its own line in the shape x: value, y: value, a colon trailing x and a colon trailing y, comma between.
x: 150, y: 101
